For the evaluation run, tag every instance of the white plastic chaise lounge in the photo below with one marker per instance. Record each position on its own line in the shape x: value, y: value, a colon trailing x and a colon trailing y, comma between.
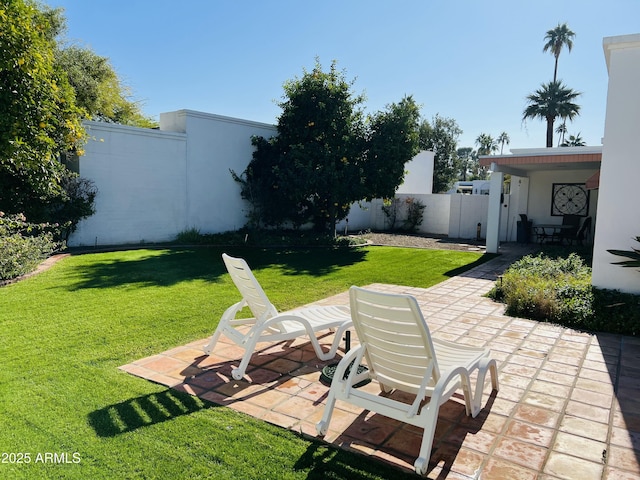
x: 267, y: 325
x: 401, y: 355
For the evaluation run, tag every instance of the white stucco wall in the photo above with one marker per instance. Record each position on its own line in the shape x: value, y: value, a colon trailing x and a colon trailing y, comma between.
x: 541, y: 188
x: 141, y: 185
x: 216, y: 145
x: 419, y: 176
x: 618, y: 213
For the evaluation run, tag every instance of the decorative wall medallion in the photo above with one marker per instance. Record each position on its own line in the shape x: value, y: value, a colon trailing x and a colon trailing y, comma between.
x: 570, y: 199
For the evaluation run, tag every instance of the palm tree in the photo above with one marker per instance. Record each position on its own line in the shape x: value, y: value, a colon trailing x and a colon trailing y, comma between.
x: 549, y: 102
x: 574, y: 141
x: 556, y: 39
x: 486, y: 144
x: 562, y: 131
x: 502, y: 139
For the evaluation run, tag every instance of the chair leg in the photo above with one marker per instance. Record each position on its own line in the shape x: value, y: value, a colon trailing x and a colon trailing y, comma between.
x: 431, y: 419
x: 323, y: 425
x: 208, y: 348
x: 490, y: 366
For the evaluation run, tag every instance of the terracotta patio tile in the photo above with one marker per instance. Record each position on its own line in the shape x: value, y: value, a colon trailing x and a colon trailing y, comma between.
x: 162, y: 364
x: 501, y: 469
x: 626, y: 438
x: 522, y: 370
x: 279, y: 419
x: 598, y: 366
x: 592, y: 398
x: 536, y: 415
x: 485, y: 421
x: 584, y: 428
x: 543, y: 400
x: 553, y: 389
x: 480, y: 440
x: 594, y: 386
x: 581, y: 447
x: 530, y: 433
x: 570, y: 370
x: 300, y: 407
x: 589, y: 412
x: 525, y: 454
x: 624, y: 459
x: 554, y: 377
x: 571, y: 468
x: 612, y: 473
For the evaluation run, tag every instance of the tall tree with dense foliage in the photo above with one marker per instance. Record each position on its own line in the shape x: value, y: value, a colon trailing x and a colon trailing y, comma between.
x: 39, y: 117
x: 325, y: 155
x: 441, y: 137
x: 550, y: 101
x: 486, y: 144
x: 556, y: 39
x: 502, y: 139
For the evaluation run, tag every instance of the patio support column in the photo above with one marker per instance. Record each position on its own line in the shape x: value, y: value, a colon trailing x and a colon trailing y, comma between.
x: 495, y: 204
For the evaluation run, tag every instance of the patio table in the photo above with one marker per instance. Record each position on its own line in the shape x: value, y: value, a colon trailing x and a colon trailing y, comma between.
x: 550, y: 231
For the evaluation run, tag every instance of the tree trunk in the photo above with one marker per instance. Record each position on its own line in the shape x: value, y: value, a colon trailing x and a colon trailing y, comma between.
x: 550, y: 121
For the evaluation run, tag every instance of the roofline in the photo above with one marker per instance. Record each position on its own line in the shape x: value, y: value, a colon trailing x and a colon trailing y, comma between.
x: 524, y: 156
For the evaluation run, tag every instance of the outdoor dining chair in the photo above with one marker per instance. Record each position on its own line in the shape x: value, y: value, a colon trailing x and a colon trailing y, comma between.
x: 267, y: 325
x: 400, y: 354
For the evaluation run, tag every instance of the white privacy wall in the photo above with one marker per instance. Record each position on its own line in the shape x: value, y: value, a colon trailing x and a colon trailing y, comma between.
x: 618, y: 220
x: 154, y: 184
x: 216, y: 145
x: 141, y: 183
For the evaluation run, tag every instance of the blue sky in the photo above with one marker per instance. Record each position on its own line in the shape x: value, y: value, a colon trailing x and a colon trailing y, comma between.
x: 473, y: 61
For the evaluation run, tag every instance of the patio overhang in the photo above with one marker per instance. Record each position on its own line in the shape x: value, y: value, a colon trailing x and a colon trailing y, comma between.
x: 523, y: 161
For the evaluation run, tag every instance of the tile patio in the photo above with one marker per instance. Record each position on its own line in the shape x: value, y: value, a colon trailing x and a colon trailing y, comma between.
x: 568, y: 405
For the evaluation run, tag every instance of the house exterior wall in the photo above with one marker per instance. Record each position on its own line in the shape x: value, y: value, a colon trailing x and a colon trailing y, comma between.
x: 618, y: 220
x: 541, y: 189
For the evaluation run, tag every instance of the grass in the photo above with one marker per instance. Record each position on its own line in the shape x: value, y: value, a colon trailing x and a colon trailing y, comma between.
x: 65, y: 332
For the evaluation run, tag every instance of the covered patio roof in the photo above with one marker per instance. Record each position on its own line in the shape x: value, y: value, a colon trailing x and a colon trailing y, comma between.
x: 524, y: 160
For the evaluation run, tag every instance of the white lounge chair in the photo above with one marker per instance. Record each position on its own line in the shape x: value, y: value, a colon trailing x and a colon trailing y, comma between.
x: 401, y: 354
x: 270, y: 326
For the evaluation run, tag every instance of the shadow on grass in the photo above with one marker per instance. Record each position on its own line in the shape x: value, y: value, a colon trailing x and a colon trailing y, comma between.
x: 323, y: 462
x: 144, y: 411
x: 460, y: 270
x: 171, y: 266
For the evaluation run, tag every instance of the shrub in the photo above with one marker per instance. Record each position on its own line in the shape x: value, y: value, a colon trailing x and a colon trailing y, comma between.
x: 23, y: 245
x: 410, y: 208
x: 559, y: 290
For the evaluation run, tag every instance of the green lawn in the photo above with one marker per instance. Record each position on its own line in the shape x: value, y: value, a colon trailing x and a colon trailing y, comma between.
x: 68, y: 412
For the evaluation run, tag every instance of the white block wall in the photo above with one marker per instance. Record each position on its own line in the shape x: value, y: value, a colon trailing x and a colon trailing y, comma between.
x: 618, y: 213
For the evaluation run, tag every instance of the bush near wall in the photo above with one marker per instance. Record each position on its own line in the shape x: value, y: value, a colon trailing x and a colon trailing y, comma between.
x: 23, y: 245
x: 559, y: 290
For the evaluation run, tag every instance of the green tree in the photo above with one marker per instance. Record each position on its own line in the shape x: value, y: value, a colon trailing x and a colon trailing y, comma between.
x: 486, y: 144
x: 325, y: 156
x: 441, y: 137
x: 467, y: 157
x: 98, y: 88
x: 39, y: 117
x: 556, y: 39
x: 574, y: 141
x: 561, y: 130
x: 392, y: 141
x: 549, y: 102
x: 502, y: 139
